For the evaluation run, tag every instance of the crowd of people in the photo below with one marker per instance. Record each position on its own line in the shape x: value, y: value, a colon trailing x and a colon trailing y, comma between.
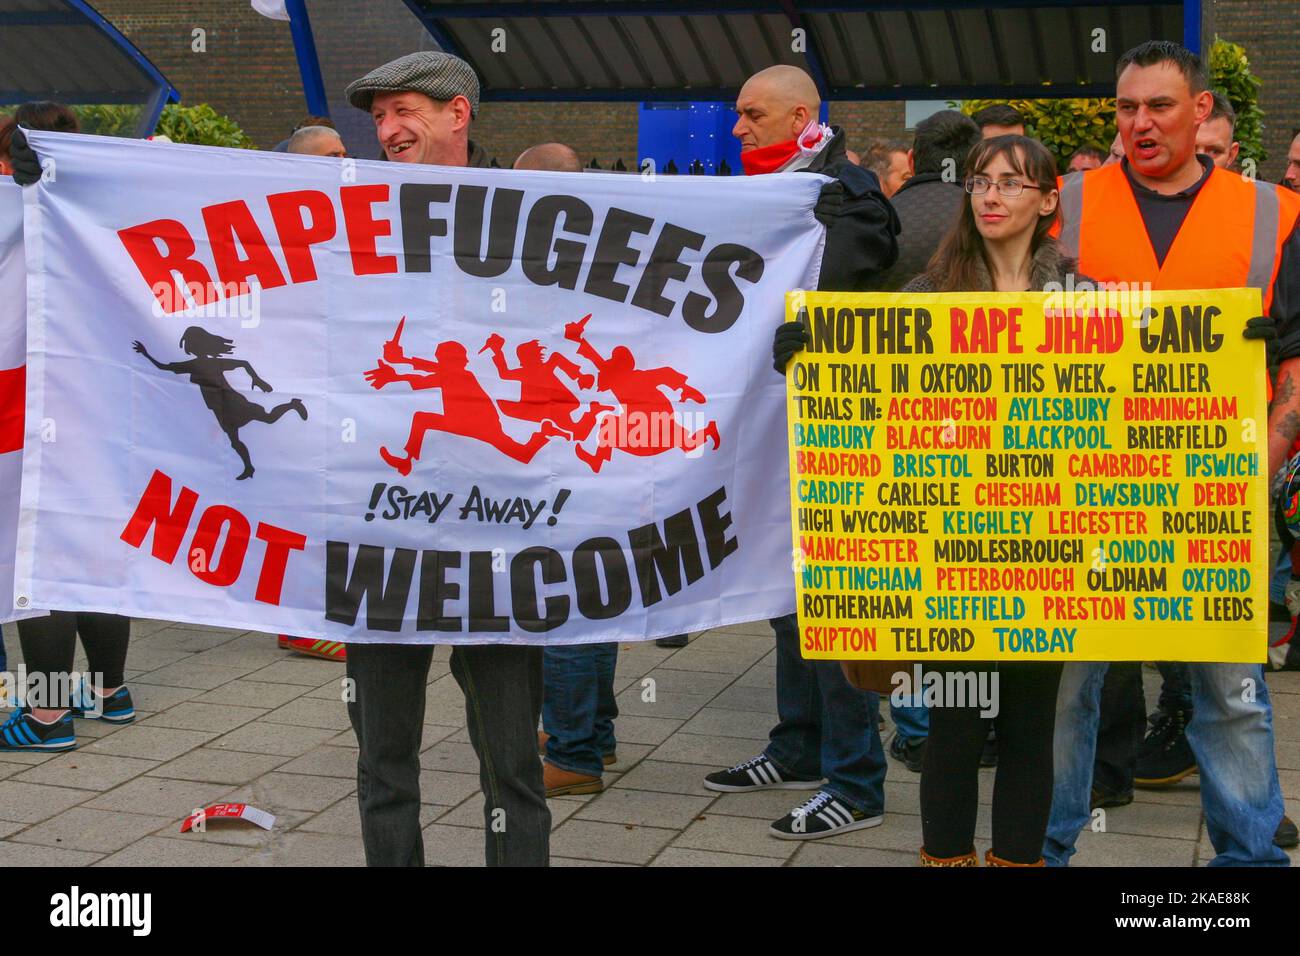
x: 971, y: 203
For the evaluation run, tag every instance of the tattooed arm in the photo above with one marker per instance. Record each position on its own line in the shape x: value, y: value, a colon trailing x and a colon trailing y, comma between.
x: 1284, y: 415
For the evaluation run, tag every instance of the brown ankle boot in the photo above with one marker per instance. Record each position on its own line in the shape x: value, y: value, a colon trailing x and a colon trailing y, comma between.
x: 991, y: 860
x: 564, y: 783
x: 966, y: 859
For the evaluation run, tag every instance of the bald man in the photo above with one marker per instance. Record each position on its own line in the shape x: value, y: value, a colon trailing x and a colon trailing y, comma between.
x: 780, y: 132
x: 316, y: 141
x: 828, y: 737
x: 775, y: 105
x: 552, y: 157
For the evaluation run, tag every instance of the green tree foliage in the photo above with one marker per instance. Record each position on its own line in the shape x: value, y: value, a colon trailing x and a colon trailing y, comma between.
x: 1061, y: 125
x: 200, y: 125
x: 1230, y: 75
x: 115, y: 120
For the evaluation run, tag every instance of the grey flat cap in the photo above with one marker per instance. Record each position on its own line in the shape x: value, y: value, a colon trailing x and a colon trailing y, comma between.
x: 437, y: 75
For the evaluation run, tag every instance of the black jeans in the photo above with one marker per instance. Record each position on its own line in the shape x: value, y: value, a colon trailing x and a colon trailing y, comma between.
x: 1121, y: 727
x: 1022, y: 787
x: 1176, y: 688
x: 1123, y: 719
x: 503, y: 702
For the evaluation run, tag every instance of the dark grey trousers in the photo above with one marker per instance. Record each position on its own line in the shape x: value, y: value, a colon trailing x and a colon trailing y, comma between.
x: 503, y: 701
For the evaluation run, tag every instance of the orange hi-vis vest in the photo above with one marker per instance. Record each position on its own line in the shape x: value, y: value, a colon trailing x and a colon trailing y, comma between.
x: 1232, y: 237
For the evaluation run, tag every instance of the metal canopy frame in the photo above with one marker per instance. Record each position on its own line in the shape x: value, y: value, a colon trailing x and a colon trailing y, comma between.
x: 657, y: 50
x: 140, y: 83
x: 304, y: 48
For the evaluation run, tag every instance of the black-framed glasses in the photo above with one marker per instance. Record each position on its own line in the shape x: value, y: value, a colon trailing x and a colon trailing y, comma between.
x: 979, y: 185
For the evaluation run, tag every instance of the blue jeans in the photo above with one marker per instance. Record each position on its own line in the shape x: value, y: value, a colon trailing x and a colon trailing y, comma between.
x: 1233, y: 743
x: 578, y: 707
x: 827, y: 728
x: 911, y: 720
x: 1281, y: 575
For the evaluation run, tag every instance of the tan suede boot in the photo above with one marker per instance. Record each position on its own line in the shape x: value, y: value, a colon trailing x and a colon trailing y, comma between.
x: 966, y: 859
x: 991, y: 860
x: 565, y: 783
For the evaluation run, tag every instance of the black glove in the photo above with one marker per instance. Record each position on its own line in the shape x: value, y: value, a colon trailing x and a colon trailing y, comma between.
x: 791, y: 337
x: 829, y: 202
x: 1263, y: 327
x: 26, y: 164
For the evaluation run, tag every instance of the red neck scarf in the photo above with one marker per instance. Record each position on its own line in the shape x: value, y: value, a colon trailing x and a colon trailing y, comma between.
x: 768, y: 159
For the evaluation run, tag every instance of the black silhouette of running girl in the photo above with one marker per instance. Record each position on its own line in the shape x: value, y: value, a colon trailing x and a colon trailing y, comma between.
x: 208, y: 371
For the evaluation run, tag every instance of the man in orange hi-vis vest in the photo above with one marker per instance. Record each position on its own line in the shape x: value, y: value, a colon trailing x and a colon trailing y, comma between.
x: 1167, y: 217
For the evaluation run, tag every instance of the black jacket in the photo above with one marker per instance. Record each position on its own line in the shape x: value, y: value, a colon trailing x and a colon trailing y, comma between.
x: 927, y: 207
x: 478, y: 156
x: 860, y: 240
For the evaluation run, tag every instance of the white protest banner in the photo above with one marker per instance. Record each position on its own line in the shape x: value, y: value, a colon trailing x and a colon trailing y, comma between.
x: 379, y: 402
x: 13, y: 346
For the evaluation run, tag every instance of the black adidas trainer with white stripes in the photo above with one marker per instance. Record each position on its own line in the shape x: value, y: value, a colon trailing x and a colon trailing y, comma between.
x: 822, y: 816
x: 756, y: 773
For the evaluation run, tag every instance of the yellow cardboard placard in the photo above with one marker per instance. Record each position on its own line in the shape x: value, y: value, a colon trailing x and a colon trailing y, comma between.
x: 1029, y: 476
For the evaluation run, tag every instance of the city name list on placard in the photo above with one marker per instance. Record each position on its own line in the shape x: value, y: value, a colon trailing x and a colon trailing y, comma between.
x: 1000, y: 476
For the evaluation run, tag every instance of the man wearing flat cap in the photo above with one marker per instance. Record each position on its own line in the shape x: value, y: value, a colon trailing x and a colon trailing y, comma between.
x: 422, y: 105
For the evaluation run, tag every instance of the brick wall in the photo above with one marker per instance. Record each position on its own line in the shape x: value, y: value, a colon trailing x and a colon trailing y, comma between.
x: 866, y: 121
x: 1270, y: 32
x: 601, y: 131
x: 248, y: 72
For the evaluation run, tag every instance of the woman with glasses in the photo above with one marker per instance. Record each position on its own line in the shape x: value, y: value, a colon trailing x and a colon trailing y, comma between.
x: 999, y: 243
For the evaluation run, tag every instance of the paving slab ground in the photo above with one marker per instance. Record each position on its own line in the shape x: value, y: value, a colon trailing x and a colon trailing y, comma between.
x: 226, y: 715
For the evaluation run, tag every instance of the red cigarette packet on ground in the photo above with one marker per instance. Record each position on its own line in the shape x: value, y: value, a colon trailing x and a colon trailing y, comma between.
x: 228, y: 811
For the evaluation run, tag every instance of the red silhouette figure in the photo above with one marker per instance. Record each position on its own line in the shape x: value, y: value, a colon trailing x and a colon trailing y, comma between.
x: 648, y: 424
x: 467, y: 410
x: 542, y: 396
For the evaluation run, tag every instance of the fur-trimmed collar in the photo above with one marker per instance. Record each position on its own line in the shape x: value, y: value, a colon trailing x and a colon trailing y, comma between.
x: 1047, y: 266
